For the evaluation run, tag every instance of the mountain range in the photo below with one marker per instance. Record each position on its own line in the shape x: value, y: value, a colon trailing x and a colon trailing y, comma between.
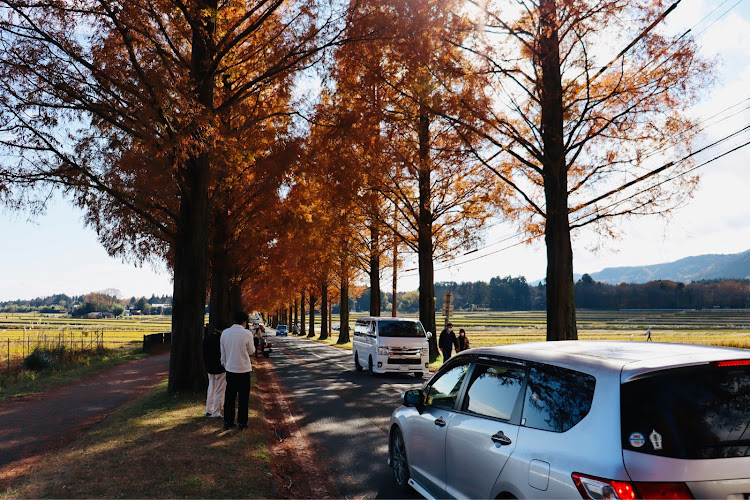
x: 700, y: 267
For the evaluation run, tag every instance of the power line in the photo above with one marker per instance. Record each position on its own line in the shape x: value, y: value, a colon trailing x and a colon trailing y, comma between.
x: 599, y: 211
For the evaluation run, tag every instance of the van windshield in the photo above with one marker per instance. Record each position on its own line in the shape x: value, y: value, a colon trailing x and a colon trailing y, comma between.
x: 400, y: 329
x: 688, y: 413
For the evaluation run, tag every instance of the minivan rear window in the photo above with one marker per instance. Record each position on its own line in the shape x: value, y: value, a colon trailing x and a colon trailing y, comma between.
x: 557, y: 398
x: 688, y: 413
x: 400, y: 329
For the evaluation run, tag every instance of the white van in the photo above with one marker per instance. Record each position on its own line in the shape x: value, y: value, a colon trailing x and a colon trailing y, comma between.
x: 393, y: 345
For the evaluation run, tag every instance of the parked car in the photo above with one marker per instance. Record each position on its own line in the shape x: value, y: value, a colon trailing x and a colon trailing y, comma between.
x: 387, y: 344
x: 579, y: 420
x: 281, y: 330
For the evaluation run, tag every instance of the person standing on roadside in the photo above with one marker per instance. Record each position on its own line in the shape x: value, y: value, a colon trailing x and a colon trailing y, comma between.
x: 217, y: 380
x: 236, y: 349
x: 447, y: 341
x: 463, y: 341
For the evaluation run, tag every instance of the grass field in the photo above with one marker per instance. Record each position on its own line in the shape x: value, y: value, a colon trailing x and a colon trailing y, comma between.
x: 715, y: 327
x: 21, y: 333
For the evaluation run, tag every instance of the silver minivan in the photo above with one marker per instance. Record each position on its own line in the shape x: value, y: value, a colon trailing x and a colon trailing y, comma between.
x: 391, y: 345
x: 579, y: 420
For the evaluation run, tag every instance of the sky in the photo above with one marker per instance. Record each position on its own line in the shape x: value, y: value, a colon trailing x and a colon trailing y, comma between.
x: 56, y: 253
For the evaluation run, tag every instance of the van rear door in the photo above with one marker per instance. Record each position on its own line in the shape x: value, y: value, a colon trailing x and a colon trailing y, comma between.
x: 690, y: 425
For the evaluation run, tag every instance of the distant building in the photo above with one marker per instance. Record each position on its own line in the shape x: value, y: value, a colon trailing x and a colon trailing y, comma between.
x: 100, y: 315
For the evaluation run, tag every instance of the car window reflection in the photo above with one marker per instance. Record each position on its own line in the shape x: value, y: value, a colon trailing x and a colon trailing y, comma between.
x: 493, y: 390
x: 444, y: 391
x: 557, y: 398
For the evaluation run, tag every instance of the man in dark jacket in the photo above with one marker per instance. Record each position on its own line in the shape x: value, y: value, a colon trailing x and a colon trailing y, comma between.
x: 447, y: 341
x: 217, y: 380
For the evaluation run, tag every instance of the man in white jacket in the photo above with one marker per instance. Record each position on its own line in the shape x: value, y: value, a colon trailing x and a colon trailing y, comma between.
x: 236, y: 350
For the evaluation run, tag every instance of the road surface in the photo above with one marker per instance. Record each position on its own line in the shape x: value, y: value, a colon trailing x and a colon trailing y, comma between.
x: 344, y: 411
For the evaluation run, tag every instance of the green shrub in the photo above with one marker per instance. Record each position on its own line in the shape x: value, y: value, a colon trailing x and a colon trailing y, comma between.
x: 40, y: 360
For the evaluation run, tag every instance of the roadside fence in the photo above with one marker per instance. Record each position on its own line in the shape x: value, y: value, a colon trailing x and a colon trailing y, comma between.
x: 58, y: 346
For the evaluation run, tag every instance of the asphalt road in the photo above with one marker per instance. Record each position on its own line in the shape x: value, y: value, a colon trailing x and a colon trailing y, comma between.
x: 344, y: 411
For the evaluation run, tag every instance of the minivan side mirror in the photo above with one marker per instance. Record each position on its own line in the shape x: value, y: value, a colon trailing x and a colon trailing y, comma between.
x: 413, y: 397
x: 429, y: 335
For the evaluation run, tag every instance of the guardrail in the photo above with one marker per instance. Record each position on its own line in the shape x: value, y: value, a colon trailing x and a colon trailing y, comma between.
x: 155, y: 340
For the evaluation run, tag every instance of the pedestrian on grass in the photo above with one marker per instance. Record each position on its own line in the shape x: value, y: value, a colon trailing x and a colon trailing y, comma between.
x: 447, y: 341
x: 463, y: 341
x: 236, y: 349
x: 217, y: 380
x: 648, y: 335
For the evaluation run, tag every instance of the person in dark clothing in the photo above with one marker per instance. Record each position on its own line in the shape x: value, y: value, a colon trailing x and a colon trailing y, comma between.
x: 447, y: 341
x: 463, y: 341
x: 217, y: 380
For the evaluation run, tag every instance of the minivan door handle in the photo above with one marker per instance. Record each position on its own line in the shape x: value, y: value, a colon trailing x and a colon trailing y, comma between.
x: 501, y: 438
x: 440, y: 422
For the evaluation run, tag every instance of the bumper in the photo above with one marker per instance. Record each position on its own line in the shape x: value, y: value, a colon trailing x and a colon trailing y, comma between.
x: 389, y: 364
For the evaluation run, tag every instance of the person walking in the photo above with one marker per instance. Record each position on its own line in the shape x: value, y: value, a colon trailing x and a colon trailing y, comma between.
x: 463, y: 341
x: 447, y: 341
x: 648, y: 335
x: 217, y: 379
x: 236, y: 349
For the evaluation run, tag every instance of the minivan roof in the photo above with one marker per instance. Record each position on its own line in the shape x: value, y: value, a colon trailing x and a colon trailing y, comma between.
x: 388, y: 318
x: 632, y: 358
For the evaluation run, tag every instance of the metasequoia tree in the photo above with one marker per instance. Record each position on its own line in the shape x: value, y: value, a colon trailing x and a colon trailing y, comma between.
x: 126, y: 103
x: 581, y: 142
x: 419, y: 164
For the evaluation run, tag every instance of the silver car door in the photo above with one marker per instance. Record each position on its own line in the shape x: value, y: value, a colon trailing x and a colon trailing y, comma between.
x: 482, y: 435
x: 425, y: 431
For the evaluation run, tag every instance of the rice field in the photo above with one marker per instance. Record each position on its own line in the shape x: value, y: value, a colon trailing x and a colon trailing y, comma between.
x: 716, y: 326
x: 21, y: 333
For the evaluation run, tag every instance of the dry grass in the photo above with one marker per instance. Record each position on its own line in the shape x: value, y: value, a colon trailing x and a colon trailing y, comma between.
x: 159, y: 446
x: 21, y: 382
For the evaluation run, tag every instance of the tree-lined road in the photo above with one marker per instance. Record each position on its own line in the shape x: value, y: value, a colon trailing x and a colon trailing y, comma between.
x: 344, y: 411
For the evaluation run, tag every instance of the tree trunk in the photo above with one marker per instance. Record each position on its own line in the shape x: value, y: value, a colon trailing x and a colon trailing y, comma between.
x: 394, y: 306
x: 424, y: 235
x: 374, y: 270
x: 323, y: 312
x: 344, y: 310
x: 311, y: 333
x: 302, y: 313
x: 186, y: 371
x: 561, y: 314
x: 296, y: 310
x: 219, y: 309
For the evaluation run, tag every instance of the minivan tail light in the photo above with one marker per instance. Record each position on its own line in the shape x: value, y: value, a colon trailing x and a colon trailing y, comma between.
x: 734, y: 362
x: 597, y: 488
x: 663, y: 490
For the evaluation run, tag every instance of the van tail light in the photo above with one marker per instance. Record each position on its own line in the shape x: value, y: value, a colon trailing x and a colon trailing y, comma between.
x: 597, y: 488
x: 734, y: 362
x: 663, y: 490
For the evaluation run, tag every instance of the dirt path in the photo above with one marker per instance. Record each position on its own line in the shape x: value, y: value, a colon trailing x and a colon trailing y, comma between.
x: 34, y: 425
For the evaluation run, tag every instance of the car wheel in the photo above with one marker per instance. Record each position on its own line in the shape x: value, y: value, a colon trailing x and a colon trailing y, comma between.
x: 399, y: 463
x: 369, y: 366
x: 357, y: 366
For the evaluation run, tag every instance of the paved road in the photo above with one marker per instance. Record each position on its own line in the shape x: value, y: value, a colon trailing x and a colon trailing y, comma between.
x: 345, y: 411
x: 41, y: 422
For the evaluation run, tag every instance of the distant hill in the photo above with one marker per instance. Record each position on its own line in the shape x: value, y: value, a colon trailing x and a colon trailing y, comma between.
x: 701, y: 267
